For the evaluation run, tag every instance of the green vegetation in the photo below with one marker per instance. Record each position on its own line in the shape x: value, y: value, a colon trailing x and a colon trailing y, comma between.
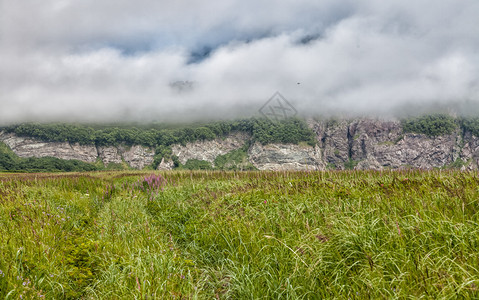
x: 430, y: 125
x: 234, y: 160
x: 457, y: 164
x: 262, y: 130
x: 196, y: 164
x: 240, y: 235
x: 290, y: 131
x: 471, y: 125
x: 350, y: 164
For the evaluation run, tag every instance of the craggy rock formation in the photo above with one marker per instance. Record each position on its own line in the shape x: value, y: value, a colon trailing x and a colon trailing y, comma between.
x: 285, y: 157
x: 110, y: 155
x: 377, y: 144
x: 209, y: 150
x: 333, y: 139
x: 341, y: 144
x: 137, y: 156
x: 165, y: 165
x: 470, y: 151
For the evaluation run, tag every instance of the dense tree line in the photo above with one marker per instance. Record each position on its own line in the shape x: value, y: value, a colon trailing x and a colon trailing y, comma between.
x: 290, y: 131
x: 471, y: 125
x: 430, y: 125
x: 262, y: 130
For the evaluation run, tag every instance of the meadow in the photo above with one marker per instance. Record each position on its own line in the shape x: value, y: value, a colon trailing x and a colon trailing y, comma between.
x: 240, y: 235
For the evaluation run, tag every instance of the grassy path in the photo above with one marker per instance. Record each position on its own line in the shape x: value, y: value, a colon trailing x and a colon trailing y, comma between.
x: 247, y: 235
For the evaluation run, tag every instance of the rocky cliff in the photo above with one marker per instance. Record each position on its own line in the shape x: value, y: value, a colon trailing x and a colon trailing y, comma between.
x: 342, y: 144
x: 136, y: 156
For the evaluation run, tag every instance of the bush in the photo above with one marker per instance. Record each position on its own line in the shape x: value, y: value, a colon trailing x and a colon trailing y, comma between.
x: 471, y: 125
x: 234, y: 160
x: 431, y: 125
x: 290, y: 131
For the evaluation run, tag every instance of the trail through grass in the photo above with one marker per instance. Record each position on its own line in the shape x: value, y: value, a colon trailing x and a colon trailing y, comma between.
x: 240, y: 235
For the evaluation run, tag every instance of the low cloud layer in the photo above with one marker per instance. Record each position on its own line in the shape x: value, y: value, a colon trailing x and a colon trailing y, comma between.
x: 145, y: 60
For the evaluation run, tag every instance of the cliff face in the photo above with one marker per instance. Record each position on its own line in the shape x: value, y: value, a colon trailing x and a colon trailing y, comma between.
x: 359, y: 144
x: 25, y: 147
x: 285, y: 157
x: 209, y: 150
x: 136, y: 156
x: 375, y: 144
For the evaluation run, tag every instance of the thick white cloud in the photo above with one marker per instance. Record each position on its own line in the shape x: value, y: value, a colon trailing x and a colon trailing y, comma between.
x: 116, y: 60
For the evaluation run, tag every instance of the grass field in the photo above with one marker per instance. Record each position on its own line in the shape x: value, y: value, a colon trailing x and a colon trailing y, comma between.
x: 243, y: 235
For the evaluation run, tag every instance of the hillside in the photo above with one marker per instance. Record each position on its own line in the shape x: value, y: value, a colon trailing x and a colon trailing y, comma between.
x: 434, y: 141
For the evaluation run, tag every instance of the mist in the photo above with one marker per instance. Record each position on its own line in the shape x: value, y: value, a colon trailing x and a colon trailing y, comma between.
x: 109, y: 61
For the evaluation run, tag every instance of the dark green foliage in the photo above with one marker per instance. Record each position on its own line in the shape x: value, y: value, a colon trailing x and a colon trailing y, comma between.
x: 457, y: 164
x: 115, y: 167
x: 176, y: 161
x: 114, y: 135
x: 262, y: 130
x: 52, y: 164
x: 234, y: 160
x: 470, y: 125
x: 8, y: 159
x: 161, y: 152
x: 196, y: 164
x: 430, y: 125
x: 349, y: 165
x: 290, y: 131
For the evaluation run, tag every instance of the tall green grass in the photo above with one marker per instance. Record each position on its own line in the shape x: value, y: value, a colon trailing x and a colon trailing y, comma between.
x: 240, y: 235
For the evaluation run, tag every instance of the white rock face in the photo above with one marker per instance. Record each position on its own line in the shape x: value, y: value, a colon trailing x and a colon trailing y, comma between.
x: 138, y: 156
x: 285, y: 157
x: 109, y: 155
x: 165, y: 165
x: 209, y: 150
x: 25, y: 147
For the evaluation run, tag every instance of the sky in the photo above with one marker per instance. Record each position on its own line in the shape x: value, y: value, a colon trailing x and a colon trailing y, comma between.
x: 155, y: 60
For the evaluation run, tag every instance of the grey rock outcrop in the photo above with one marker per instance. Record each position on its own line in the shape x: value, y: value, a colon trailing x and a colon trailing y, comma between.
x: 378, y: 144
x: 137, y: 156
x: 470, y: 151
x: 209, y: 150
x: 332, y: 137
x: 165, y: 165
x: 26, y: 147
x: 285, y: 157
x: 110, y: 154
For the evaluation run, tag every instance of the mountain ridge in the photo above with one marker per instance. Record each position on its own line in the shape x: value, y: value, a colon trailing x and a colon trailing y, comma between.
x: 362, y: 143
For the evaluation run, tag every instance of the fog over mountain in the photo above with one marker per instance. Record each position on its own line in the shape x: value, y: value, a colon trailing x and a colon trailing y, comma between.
x: 85, y: 60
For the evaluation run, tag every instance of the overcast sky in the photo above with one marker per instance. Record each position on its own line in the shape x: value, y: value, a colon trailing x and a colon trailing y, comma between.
x: 114, y: 60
